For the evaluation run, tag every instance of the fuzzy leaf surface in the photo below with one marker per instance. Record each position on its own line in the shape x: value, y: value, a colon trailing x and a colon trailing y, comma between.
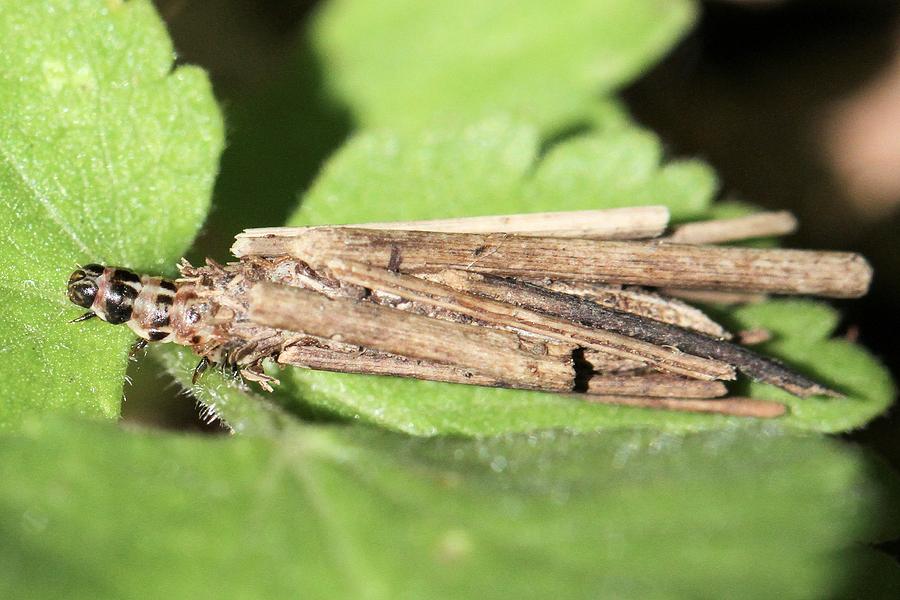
x: 107, y: 154
x: 403, y: 63
x: 354, y: 512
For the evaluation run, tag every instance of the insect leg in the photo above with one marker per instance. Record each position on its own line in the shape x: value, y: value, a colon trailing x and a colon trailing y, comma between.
x: 137, y: 346
x: 88, y: 315
x: 199, y: 369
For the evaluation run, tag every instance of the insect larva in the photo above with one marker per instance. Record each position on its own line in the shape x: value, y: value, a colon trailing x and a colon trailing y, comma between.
x: 214, y: 311
x: 497, y: 309
x: 155, y: 308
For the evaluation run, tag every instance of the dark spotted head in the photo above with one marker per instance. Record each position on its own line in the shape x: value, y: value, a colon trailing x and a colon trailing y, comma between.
x: 83, y: 285
x: 109, y: 292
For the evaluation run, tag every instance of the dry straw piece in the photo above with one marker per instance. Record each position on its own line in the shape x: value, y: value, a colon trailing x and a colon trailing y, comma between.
x: 656, y: 264
x: 546, y: 301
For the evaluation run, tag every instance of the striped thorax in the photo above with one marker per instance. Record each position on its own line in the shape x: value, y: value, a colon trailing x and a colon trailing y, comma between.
x: 118, y: 296
x: 155, y: 308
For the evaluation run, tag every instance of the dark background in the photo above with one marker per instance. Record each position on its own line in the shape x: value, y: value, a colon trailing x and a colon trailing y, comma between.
x: 795, y: 103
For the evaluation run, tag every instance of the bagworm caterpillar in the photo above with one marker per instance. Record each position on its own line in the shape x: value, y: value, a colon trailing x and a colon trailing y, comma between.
x: 540, y: 302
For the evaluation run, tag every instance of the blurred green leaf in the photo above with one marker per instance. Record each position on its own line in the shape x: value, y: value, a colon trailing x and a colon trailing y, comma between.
x: 801, y: 331
x: 404, y: 63
x: 353, y: 512
x: 107, y: 154
x: 496, y: 167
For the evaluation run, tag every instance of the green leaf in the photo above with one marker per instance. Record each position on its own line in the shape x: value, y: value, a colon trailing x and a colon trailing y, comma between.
x: 244, y: 409
x: 801, y: 331
x: 352, y: 512
x: 107, y: 154
x: 405, y: 63
x: 496, y: 167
